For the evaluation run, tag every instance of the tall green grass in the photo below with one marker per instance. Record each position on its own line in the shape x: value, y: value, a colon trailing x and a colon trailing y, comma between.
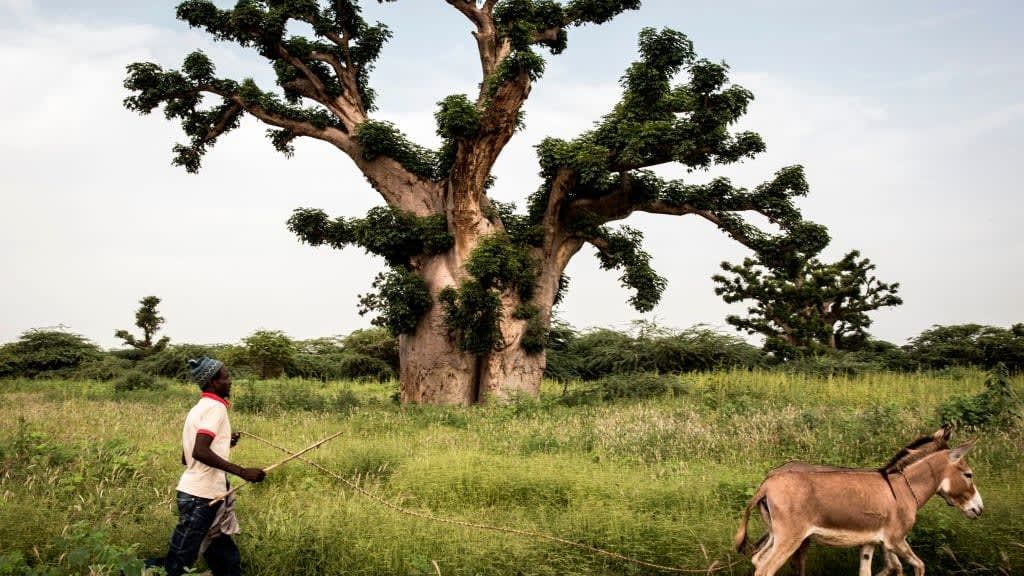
x: 662, y: 479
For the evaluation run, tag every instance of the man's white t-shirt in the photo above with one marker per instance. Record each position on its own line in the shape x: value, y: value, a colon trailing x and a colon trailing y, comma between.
x: 209, y: 417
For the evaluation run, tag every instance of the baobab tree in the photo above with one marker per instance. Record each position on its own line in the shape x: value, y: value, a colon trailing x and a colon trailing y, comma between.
x: 471, y: 282
x: 806, y: 305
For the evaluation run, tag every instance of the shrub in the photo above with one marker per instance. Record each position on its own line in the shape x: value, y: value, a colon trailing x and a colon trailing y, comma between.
x: 376, y: 343
x: 106, y: 368
x: 605, y: 352
x: 45, y: 352
x: 561, y: 365
x: 969, y: 345
x: 268, y: 352
x: 997, y: 405
x: 625, y: 386
x: 138, y: 380
x: 362, y: 367
x: 84, y: 550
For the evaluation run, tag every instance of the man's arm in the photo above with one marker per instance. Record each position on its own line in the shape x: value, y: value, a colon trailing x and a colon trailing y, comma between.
x: 202, y: 452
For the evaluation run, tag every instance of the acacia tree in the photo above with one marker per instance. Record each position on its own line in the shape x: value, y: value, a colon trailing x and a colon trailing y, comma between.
x: 149, y: 321
x: 471, y: 282
x: 804, y: 304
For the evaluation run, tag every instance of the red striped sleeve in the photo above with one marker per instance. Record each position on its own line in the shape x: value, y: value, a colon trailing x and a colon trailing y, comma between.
x: 206, y: 432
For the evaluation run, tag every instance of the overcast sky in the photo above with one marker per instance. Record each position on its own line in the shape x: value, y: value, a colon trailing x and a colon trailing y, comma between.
x: 907, y: 116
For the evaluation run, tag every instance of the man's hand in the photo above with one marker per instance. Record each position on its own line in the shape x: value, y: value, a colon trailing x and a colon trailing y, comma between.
x: 234, y: 438
x: 252, y: 474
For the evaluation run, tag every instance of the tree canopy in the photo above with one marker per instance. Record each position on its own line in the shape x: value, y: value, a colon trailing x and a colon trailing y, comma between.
x: 484, y: 274
x: 149, y: 321
x: 806, y: 305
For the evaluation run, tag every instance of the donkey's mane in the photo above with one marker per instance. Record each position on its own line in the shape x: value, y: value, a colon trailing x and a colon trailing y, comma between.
x: 913, y: 452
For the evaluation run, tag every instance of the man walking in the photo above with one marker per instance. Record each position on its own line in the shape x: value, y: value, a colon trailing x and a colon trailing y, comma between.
x: 206, y: 442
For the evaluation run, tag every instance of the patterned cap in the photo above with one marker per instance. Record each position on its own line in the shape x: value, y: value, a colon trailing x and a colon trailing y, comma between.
x: 204, y: 369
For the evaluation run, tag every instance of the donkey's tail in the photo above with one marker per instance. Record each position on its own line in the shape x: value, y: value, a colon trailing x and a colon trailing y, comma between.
x: 739, y: 541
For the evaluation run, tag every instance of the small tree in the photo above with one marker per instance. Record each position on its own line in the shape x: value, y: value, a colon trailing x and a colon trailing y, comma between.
x: 805, y: 304
x: 269, y: 352
x: 147, y: 319
x: 46, y: 351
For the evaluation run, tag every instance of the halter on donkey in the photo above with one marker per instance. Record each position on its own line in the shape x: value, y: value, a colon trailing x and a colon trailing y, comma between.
x: 801, y: 502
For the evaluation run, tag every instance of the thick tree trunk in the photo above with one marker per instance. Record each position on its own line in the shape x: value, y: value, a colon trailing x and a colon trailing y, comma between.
x: 434, y: 371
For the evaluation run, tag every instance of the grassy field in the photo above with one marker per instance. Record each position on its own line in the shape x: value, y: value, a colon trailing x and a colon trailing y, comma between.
x: 663, y: 480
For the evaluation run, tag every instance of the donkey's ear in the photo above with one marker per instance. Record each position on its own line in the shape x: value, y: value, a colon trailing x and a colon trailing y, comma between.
x: 943, y: 434
x: 961, y: 450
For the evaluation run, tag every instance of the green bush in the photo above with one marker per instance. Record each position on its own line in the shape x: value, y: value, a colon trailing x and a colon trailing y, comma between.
x: 969, y: 345
x: 268, y: 352
x: 603, y: 352
x: 138, y: 380
x: 625, y: 386
x: 43, y: 352
x: 103, y: 369
x: 273, y: 397
x: 85, y: 551
x: 997, y: 406
x: 376, y: 343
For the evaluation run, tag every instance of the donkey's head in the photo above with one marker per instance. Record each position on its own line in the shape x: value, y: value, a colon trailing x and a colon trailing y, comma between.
x: 956, y: 482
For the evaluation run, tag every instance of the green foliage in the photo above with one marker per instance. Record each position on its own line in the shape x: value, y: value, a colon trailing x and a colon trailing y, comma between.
x: 814, y: 307
x: 969, y: 345
x: 261, y: 26
x: 275, y: 397
x: 388, y: 232
x: 534, y: 338
x: 46, y: 352
x: 603, y: 353
x: 457, y: 117
x: 473, y: 316
x: 149, y: 320
x: 340, y: 366
x: 138, y: 380
x: 997, y: 406
x: 620, y: 249
x: 400, y: 300
x: 400, y: 297
x: 106, y: 368
x: 501, y: 263
x: 473, y: 311
x: 635, y: 385
x: 85, y: 551
x: 381, y: 138
x: 376, y: 343
x: 268, y: 352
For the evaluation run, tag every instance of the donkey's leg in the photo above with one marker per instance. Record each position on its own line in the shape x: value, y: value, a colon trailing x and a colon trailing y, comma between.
x: 768, y: 540
x: 892, y: 562
x: 800, y: 557
x: 867, y: 551
x: 776, y: 558
x: 763, y: 547
x: 903, y: 549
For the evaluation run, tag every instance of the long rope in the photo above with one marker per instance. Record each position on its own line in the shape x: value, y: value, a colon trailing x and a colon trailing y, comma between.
x: 715, y: 566
x: 275, y: 465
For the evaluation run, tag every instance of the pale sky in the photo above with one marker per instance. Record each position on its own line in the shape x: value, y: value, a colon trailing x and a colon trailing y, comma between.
x: 907, y: 117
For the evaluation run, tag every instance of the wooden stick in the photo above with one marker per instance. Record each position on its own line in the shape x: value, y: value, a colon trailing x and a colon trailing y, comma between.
x: 275, y: 465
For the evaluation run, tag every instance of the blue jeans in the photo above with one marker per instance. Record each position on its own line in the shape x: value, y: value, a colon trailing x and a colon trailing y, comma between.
x: 195, y: 516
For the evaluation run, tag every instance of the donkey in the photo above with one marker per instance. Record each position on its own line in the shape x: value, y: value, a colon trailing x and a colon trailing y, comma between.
x: 802, y: 502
